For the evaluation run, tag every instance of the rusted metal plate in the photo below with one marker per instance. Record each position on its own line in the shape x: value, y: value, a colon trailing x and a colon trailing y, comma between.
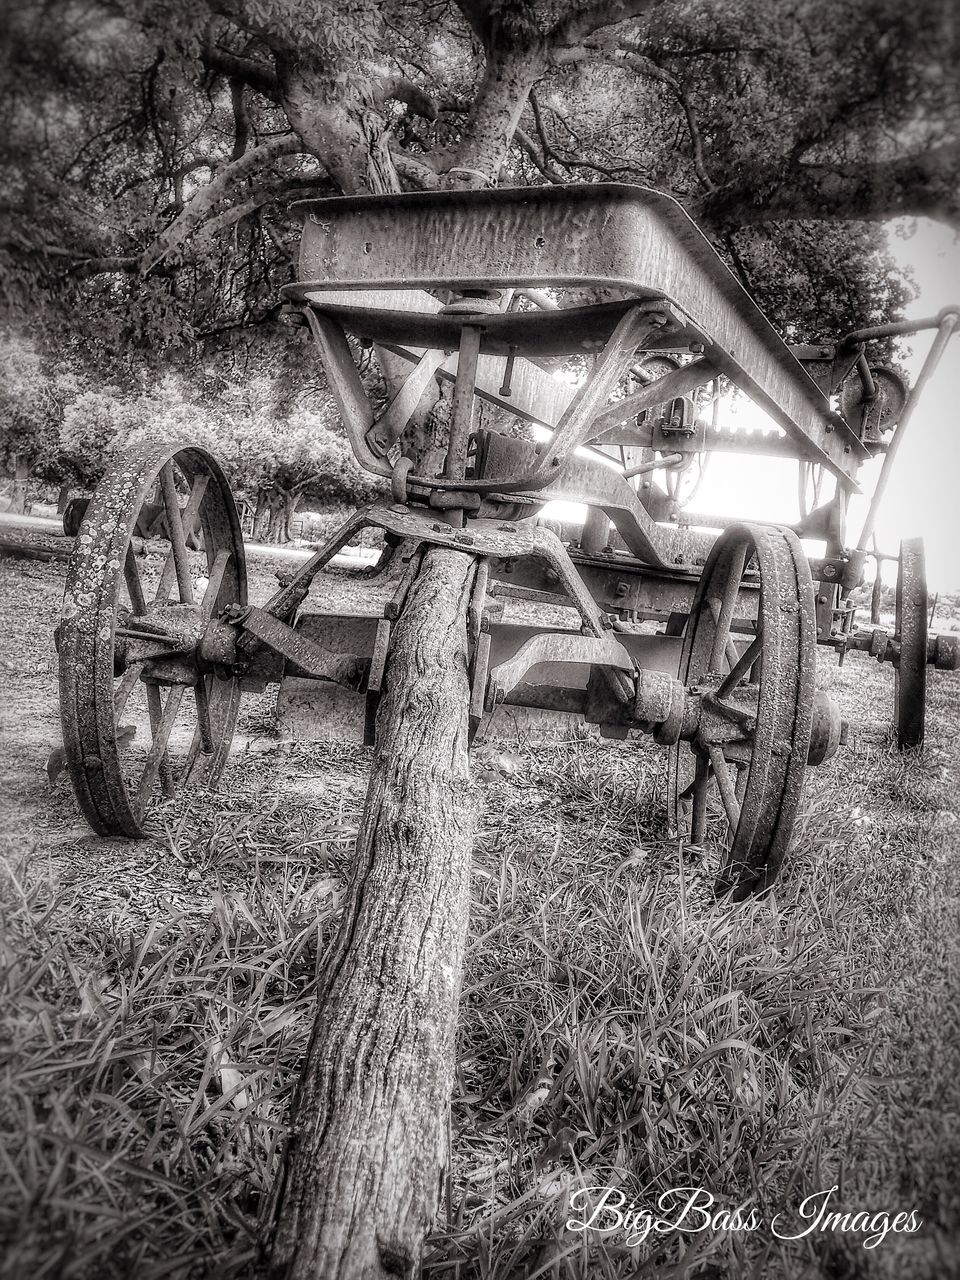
x: 624, y: 239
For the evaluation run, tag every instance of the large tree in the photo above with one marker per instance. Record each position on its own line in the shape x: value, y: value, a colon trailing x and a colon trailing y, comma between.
x: 152, y: 148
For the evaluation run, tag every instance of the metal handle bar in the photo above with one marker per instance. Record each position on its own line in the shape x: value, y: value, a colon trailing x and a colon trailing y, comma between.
x: 945, y: 324
x: 897, y: 328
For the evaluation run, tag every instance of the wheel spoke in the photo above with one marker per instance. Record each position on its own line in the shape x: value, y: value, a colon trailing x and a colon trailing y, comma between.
x: 169, y: 575
x: 701, y: 782
x: 723, y: 617
x: 743, y: 775
x: 730, y: 650
x: 158, y: 748
x: 155, y: 708
x: 167, y: 578
x: 192, y: 508
x: 739, y: 668
x: 727, y: 793
x: 202, y: 696
x: 131, y: 575
x: 123, y: 690
x: 178, y: 543
x: 215, y: 581
x: 191, y: 759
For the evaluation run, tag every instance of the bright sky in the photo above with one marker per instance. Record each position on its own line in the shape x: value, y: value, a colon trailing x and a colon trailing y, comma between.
x: 923, y: 495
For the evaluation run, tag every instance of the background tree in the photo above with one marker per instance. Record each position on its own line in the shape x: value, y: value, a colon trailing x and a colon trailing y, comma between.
x: 279, y: 461
x: 33, y: 400
x: 276, y: 454
x: 153, y: 149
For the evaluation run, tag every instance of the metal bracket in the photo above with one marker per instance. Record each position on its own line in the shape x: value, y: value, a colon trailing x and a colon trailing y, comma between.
x: 594, y: 651
x: 305, y: 656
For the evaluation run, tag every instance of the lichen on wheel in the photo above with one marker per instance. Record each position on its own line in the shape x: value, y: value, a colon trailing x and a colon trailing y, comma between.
x: 142, y: 715
x: 749, y: 659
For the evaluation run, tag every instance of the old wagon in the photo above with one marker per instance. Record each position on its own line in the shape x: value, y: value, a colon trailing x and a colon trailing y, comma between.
x: 490, y: 294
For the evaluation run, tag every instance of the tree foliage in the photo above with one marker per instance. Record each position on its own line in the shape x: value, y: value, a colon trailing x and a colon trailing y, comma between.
x: 153, y: 148
x: 57, y: 426
x: 34, y: 395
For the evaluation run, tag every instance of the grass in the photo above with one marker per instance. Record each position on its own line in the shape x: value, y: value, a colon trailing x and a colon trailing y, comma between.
x: 617, y: 1026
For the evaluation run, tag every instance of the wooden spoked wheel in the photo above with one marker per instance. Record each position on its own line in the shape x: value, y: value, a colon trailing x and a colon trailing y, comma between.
x: 141, y: 715
x: 750, y: 656
x: 910, y: 670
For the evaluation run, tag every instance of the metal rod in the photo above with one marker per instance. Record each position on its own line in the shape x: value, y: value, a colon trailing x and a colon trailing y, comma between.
x: 214, y: 582
x: 898, y: 328
x: 948, y: 324
x: 158, y: 748
x: 461, y: 413
x: 668, y: 460
x: 134, y: 586
x: 866, y: 378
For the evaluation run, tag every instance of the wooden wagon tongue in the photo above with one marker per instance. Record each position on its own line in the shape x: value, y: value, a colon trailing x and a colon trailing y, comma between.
x: 478, y: 607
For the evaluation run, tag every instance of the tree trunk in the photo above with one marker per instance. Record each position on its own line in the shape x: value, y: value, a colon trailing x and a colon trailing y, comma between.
x: 18, y: 492
x: 277, y: 528
x: 360, y: 1179
x: 260, y: 530
x: 64, y: 493
x: 290, y: 503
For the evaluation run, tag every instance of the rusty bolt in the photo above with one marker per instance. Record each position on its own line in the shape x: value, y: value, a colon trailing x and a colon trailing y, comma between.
x: 829, y: 571
x: 697, y: 348
x: 621, y: 589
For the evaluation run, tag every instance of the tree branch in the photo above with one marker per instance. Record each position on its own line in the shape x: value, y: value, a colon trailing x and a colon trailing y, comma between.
x: 205, y: 200
x: 477, y: 14
x: 922, y: 185
x: 401, y: 89
x: 417, y: 170
x: 102, y: 266
x: 241, y: 121
x: 576, y: 26
x: 634, y: 57
x: 527, y: 144
x: 253, y: 74
x: 236, y: 213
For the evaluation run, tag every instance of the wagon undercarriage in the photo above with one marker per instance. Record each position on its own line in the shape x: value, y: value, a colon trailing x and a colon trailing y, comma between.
x: 489, y: 294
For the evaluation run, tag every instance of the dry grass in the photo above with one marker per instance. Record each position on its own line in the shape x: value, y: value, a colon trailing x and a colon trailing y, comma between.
x: 618, y: 1027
